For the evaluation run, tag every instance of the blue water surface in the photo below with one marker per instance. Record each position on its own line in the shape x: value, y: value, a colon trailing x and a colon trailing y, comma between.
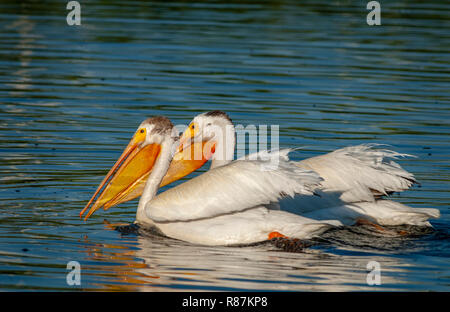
x: 72, y: 96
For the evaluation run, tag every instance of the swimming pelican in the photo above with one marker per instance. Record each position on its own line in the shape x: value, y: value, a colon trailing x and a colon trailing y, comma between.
x: 227, y: 205
x: 355, y: 178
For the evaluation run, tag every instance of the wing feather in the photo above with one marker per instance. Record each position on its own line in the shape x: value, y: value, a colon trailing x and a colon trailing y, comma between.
x: 240, y: 185
x: 361, y: 173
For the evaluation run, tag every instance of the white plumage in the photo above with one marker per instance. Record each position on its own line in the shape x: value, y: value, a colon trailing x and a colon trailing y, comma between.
x: 237, y: 186
x: 250, y: 226
x: 360, y: 172
x: 227, y: 205
x: 354, y: 179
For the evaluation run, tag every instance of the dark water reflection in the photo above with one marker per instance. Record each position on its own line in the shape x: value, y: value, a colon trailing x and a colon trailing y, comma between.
x: 70, y: 98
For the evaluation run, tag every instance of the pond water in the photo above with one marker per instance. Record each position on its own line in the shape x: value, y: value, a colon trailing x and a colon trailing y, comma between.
x: 72, y: 96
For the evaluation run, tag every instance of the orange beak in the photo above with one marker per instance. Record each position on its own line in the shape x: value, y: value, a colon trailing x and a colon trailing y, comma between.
x: 126, y: 179
x: 134, y: 161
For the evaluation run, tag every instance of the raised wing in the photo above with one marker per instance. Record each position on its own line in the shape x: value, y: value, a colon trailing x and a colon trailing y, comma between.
x: 360, y: 173
x: 238, y: 186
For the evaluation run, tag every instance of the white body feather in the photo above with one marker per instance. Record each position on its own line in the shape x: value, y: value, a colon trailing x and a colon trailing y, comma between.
x: 226, y: 205
x: 240, y: 202
x: 360, y: 172
x: 249, y: 226
x: 238, y: 186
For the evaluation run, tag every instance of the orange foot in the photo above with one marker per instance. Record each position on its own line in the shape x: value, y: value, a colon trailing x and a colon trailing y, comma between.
x: 276, y: 234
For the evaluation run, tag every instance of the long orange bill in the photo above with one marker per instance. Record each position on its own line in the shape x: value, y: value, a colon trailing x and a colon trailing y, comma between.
x: 135, y: 160
x: 183, y: 163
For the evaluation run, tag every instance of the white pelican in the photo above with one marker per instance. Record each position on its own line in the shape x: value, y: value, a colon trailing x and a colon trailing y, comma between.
x: 354, y: 178
x: 227, y: 205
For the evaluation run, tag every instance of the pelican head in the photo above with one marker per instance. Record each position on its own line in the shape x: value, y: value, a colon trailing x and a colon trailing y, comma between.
x: 127, y: 177
x: 208, y: 126
x: 214, y: 132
